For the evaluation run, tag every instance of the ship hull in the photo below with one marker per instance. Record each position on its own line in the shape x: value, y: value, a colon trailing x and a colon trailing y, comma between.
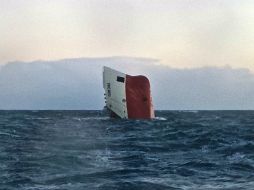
x: 127, y: 96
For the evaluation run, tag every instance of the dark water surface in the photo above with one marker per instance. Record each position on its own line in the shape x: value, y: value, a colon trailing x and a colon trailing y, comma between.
x: 88, y: 150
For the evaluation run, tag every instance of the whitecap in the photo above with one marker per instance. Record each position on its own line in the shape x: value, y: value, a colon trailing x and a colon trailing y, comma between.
x: 205, y: 149
x: 189, y: 111
x: 91, y: 118
x: 236, y: 157
x: 160, y: 118
x: 8, y: 134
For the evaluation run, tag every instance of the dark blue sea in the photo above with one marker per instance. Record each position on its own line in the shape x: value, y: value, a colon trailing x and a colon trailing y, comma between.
x: 47, y: 150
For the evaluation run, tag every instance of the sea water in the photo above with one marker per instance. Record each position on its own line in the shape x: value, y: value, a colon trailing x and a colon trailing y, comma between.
x: 88, y: 150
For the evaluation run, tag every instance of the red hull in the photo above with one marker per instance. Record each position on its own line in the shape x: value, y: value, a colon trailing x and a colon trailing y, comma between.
x: 138, y: 98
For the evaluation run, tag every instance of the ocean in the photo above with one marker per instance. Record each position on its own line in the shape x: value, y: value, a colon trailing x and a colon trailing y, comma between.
x: 47, y: 150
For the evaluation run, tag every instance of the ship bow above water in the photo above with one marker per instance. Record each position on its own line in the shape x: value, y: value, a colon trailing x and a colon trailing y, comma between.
x: 127, y: 96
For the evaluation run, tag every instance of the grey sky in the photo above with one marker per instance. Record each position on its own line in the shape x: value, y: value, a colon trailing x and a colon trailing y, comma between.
x: 187, y: 33
x: 77, y: 84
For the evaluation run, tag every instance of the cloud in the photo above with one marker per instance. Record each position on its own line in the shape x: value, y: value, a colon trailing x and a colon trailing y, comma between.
x: 191, y: 33
x: 77, y: 84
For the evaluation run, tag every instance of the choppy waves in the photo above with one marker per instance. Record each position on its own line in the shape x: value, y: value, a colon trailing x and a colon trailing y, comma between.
x: 88, y: 150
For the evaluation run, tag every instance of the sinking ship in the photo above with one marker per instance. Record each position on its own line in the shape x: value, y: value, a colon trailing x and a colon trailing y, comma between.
x: 127, y: 96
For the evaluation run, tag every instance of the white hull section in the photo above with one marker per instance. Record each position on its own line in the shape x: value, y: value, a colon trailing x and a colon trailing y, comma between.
x: 115, y: 93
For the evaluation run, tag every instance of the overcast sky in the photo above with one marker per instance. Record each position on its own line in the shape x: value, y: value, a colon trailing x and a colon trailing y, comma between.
x: 77, y: 84
x: 179, y: 33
